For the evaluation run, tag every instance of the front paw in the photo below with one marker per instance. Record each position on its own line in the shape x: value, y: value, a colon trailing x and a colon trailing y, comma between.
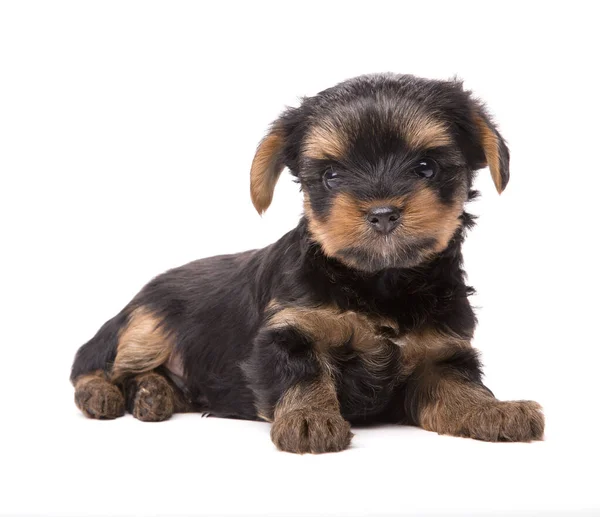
x: 498, y: 421
x: 303, y: 431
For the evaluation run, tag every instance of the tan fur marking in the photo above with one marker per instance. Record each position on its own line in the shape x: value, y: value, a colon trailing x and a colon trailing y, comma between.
x: 143, y: 345
x: 459, y: 407
x: 425, y: 216
x: 423, y: 132
x: 453, y: 400
x: 324, y: 141
x: 346, y: 224
x: 84, y: 379
x: 307, y: 419
x: 328, y: 326
x: 489, y: 142
x: 266, y: 169
x: 423, y: 345
x: 328, y: 138
x: 467, y: 409
x: 319, y: 395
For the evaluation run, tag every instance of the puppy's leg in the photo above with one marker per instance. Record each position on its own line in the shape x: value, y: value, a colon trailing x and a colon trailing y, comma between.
x: 96, y: 397
x: 307, y: 419
x: 446, y: 395
x: 294, y: 390
x: 150, y: 397
x: 131, y: 344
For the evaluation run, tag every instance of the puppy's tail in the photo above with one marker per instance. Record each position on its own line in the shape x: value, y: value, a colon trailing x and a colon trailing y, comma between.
x: 99, y: 352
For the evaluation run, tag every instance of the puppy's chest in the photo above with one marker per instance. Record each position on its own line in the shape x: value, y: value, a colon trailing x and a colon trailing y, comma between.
x: 364, y: 353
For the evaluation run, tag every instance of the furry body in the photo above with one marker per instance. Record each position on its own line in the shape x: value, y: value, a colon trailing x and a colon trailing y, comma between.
x: 359, y: 315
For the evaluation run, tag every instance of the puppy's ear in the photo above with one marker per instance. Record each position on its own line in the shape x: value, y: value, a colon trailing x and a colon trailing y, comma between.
x: 495, y: 150
x: 279, y: 149
x: 266, y: 167
x: 486, y: 147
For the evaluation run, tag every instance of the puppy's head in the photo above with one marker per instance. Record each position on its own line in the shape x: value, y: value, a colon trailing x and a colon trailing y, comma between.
x: 385, y: 163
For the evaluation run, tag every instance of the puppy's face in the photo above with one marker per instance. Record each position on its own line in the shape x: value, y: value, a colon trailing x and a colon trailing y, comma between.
x: 385, y: 163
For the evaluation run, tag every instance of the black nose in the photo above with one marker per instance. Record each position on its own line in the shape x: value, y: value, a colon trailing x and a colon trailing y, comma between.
x: 384, y: 218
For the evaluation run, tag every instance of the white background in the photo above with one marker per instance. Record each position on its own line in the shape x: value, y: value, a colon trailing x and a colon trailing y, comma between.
x: 127, y: 130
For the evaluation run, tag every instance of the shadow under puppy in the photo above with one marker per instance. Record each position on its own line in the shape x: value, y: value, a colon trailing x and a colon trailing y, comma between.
x: 358, y: 315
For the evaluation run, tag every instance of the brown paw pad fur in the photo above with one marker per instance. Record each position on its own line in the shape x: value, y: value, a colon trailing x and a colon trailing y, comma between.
x: 302, y: 431
x: 98, y: 398
x: 515, y: 421
x: 153, y: 399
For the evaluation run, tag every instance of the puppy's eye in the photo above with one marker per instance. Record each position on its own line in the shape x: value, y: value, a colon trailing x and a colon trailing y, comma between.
x: 331, y: 179
x: 426, y: 168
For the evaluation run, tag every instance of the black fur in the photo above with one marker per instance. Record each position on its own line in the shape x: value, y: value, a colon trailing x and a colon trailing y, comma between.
x: 217, y: 307
x: 99, y: 352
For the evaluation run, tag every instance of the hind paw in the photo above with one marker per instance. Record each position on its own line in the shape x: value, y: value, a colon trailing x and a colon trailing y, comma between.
x: 153, y: 399
x: 98, y: 398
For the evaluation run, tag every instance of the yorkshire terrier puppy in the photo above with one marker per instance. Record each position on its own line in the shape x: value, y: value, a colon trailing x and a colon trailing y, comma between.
x: 358, y: 315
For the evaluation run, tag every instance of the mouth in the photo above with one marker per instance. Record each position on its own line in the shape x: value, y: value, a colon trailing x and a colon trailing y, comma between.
x: 388, y: 252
